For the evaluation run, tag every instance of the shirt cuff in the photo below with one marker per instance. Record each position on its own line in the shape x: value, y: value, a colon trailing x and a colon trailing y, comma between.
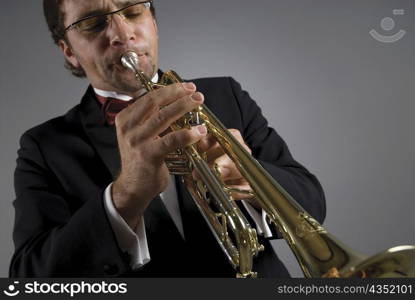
x: 260, y: 220
x: 132, y: 242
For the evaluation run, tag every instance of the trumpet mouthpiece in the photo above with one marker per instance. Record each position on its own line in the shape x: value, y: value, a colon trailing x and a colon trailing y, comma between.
x: 130, y: 60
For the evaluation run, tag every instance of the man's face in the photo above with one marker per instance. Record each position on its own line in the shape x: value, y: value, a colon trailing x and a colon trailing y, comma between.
x: 99, y: 53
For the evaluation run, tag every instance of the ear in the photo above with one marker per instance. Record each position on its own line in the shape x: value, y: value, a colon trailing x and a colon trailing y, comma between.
x: 68, y: 53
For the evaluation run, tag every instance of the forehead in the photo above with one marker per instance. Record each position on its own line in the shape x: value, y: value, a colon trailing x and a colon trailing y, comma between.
x: 77, y: 9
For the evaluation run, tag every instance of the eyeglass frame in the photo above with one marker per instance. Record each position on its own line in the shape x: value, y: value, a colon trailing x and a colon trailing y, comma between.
x: 73, y: 25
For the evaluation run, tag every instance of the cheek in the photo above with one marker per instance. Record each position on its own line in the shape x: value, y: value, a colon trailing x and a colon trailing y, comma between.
x: 95, y: 55
x: 94, y: 64
x: 149, y: 32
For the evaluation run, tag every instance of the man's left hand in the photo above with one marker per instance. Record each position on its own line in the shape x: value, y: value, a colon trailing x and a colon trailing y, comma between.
x: 229, y: 173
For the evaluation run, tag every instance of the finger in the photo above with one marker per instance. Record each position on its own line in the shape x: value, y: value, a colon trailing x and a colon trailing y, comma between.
x: 213, y: 150
x: 162, y: 120
x: 238, y: 181
x: 206, y: 143
x: 237, y: 134
x: 151, y: 102
x: 168, y: 94
x: 227, y: 168
x: 210, y: 141
x: 210, y: 147
x: 178, y: 139
x: 214, y: 153
x: 241, y: 195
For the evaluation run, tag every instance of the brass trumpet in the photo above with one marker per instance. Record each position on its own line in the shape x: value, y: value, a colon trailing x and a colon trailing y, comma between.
x: 318, y: 252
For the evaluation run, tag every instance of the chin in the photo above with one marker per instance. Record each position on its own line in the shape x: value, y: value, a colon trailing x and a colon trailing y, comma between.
x: 125, y: 81
x: 127, y: 85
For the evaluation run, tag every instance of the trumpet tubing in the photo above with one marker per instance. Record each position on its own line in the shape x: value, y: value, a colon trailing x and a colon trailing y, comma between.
x: 318, y: 252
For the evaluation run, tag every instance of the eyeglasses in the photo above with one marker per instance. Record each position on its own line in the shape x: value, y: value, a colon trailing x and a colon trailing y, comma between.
x: 97, y: 23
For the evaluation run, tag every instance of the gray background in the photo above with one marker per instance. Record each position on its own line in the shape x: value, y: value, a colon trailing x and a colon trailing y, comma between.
x: 342, y: 101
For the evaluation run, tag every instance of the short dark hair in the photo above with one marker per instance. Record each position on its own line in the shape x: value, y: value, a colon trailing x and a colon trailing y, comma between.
x: 55, y: 17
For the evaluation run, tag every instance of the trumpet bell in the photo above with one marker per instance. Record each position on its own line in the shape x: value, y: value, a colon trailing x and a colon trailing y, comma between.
x: 396, y: 262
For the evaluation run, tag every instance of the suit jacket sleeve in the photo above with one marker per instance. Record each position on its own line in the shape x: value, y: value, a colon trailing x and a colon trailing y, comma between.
x: 272, y: 153
x: 51, y: 238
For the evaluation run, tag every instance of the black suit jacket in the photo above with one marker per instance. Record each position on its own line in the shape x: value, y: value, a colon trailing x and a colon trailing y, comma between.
x: 64, y: 165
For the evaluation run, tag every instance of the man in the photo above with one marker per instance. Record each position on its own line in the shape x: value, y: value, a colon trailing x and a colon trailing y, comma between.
x: 88, y: 183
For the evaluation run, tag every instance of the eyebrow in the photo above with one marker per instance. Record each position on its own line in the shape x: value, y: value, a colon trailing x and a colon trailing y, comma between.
x: 101, y: 11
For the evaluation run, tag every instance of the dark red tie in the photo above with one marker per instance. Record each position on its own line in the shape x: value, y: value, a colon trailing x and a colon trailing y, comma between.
x: 111, y: 107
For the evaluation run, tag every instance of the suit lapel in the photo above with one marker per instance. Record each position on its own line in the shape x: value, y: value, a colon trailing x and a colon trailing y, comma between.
x: 102, y: 137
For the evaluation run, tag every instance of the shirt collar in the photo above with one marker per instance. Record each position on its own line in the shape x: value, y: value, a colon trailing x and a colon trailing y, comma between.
x: 115, y: 95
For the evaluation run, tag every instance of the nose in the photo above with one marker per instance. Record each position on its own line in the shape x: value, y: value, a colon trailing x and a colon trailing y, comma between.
x: 120, y: 31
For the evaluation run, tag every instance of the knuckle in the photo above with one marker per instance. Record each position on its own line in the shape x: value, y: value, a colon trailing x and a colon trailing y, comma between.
x: 150, y: 97
x: 122, y: 129
x: 185, y: 104
x: 180, y: 91
x: 152, y: 106
x: 186, y: 137
x: 172, y: 89
x: 134, y: 140
x: 222, y: 160
x: 168, y: 141
x: 129, y: 140
x: 179, y: 86
x: 203, y: 144
x: 121, y: 119
x: 180, y: 137
x: 150, y: 110
x: 162, y: 116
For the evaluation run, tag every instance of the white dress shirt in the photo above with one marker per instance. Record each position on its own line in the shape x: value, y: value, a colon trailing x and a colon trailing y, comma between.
x: 135, y: 242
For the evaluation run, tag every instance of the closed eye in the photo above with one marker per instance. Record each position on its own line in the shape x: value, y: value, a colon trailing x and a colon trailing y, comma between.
x: 96, y: 24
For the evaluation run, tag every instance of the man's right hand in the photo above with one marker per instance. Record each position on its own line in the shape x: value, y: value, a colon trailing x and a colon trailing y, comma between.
x: 144, y: 174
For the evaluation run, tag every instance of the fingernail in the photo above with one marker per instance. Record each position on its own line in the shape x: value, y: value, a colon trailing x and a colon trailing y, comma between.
x: 197, y: 97
x: 202, y: 129
x: 189, y: 86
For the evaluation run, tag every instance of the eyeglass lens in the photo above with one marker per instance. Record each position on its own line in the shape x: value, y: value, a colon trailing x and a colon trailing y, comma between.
x: 132, y: 13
